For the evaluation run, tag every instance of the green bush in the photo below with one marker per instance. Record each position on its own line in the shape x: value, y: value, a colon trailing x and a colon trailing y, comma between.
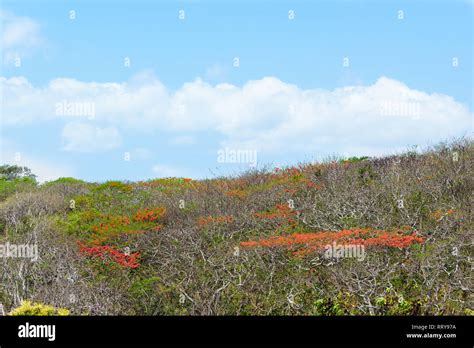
x: 66, y: 180
x: 11, y: 186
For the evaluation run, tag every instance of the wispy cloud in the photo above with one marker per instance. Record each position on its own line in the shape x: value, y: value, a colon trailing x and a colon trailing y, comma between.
x: 20, y: 36
x: 183, y: 140
x: 87, y: 138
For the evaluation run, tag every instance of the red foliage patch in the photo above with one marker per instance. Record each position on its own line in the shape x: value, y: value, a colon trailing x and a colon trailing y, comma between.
x: 104, y: 251
x: 206, y: 220
x: 149, y: 215
x: 306, y: 243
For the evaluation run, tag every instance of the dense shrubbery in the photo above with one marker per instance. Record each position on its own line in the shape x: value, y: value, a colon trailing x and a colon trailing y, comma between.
x: 252, y: 245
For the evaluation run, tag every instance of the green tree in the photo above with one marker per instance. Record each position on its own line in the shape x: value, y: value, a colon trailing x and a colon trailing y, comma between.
x: 15, y: 178
x: 9, y: 172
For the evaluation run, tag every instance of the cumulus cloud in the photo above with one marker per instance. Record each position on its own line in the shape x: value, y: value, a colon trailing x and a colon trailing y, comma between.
x: 267, y: 114
x: 19, y: 36
x: 82, y: 137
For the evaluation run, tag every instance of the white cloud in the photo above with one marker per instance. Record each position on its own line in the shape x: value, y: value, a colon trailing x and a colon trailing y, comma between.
x: 267, y: 114
x: 19, y: 36
x: 82, y: 137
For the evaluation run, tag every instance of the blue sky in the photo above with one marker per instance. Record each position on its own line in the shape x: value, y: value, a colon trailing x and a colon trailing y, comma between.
x: 182, y: 100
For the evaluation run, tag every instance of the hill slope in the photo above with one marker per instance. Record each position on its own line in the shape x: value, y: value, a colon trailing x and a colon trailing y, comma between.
x: 400, y: 231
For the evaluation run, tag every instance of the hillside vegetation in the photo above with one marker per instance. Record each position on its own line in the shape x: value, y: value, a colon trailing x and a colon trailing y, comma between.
x: 252, y: 244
